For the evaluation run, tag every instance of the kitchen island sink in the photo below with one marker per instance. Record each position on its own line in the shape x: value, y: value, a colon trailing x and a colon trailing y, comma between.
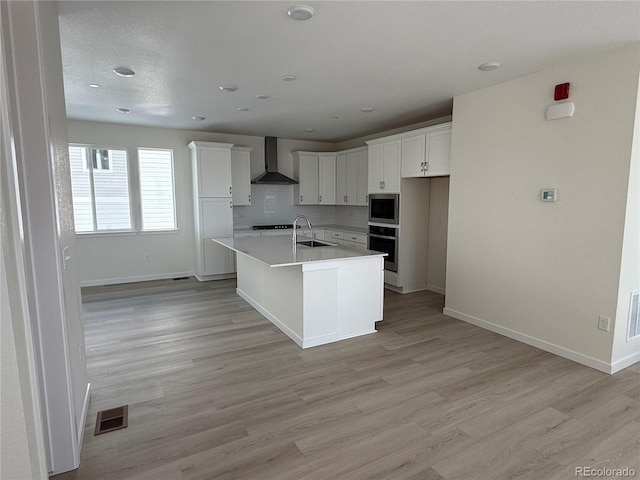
x: 315, y: 243
x: 314, y: 295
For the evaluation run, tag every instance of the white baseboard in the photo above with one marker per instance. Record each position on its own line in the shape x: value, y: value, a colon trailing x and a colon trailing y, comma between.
x: 404, y: 290
x: 435, y: 288
x: 265, y: 313
x: 625, y: 362
x: 208, y: 278
x: 83, y: 419
x: 533, y: 341
x: 140, y: 278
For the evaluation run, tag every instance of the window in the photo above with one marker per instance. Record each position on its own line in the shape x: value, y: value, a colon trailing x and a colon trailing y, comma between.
x: 102, y: 199
x: 100, y: 186
x: 157, y: 199
x: 98, y: 160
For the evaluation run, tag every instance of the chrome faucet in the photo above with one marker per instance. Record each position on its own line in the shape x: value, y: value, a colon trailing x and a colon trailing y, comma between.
x: 295, y: 240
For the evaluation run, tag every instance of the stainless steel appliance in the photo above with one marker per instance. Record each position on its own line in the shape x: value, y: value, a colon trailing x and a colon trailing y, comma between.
x: 384, y: 208
x: 385, y: 239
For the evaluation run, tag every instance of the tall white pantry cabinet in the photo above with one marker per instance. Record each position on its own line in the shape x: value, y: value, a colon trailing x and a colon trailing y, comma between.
x: 213, y: 207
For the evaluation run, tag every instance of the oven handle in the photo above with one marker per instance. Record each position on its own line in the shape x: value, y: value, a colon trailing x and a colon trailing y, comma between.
x: 382, y: 236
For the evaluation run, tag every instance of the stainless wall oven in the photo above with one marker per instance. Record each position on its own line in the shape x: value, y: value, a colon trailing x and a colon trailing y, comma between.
x: 384, y: 208
x: 385, y: 239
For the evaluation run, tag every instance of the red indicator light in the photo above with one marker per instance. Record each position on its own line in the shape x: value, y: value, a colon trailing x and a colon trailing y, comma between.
x: 561, y: 92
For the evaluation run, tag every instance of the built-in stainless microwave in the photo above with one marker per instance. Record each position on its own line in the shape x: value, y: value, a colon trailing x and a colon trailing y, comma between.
x: 384, y: 208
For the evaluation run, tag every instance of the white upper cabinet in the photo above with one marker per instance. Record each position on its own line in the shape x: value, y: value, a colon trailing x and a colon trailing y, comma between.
x: 384, y: 166
x: 427, y: 152
x: 241, y: 175
x: 211, y: 168
x: 327, y: 179
x: 336, y: 178
x: 438, y: 159
x: 352, y: 178
x: 413, y: 155
x: 305, y: 169
x: 341, y: 179
x: 362, y: 191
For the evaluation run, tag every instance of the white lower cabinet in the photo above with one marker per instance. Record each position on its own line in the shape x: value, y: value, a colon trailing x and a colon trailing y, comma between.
x: 345, y: 237
x: 215, y: 220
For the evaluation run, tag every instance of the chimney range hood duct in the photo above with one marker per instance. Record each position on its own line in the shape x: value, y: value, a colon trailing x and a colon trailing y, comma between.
x: 271, y: 176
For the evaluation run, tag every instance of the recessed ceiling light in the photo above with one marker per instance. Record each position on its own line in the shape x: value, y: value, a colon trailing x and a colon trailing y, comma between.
x: 367, y: 109
x: 243, y: 109
x: 123, y: 110
x: 197, y: 118
x: 124, y: 72
x: 94, y: 85
x: 262, y: 97
x: 289, y: 78
x: 487, y: 67
x: 301, y: 12
x: 309, y: 130
x: 228, y: 88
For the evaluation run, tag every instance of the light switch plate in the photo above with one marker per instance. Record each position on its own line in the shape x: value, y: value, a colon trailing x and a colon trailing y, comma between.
x: 549, y: 194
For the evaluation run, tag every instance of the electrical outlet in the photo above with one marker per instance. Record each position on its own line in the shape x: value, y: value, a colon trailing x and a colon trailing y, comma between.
x: 603, y: 323
x: 147, y: 257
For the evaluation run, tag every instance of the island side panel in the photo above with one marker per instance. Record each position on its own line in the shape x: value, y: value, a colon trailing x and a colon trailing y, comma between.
x: 360, y: 296
x: 275, y: 292
x: 320, y: 293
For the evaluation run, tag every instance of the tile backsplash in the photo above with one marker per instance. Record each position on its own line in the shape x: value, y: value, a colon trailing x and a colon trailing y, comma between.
x: 273, y: 204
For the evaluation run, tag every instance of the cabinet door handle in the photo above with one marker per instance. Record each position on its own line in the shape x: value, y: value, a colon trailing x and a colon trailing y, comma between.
x: 230, y: 204
x: 366, y: 199
x: 320, y: 198
x: 300, y: 198
x: 426, y: 166
x: 380, y: 184
x: 249, y: 198
x: 229, y: 190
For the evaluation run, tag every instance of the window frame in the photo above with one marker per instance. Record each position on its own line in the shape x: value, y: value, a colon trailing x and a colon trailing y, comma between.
x: 141, y: 229
x: 130, y: 183
x: 135, y: 191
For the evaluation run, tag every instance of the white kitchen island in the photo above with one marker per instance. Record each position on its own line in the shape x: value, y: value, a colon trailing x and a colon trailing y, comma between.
x: 315, y: 295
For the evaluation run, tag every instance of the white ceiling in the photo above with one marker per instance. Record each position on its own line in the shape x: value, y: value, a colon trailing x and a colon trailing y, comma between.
x: 405, y: 59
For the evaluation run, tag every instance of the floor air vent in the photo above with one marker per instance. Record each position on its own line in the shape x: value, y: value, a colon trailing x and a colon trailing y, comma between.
x: 634, y: 316
x: 110, y: 420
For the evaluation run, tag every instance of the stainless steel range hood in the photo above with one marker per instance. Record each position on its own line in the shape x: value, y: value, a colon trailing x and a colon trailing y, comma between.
x: 271, y: 175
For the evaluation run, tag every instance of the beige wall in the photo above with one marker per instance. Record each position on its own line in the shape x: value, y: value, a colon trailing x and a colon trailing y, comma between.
x: 543, y: 272
x: 630, y: 266
x: 438, y: 223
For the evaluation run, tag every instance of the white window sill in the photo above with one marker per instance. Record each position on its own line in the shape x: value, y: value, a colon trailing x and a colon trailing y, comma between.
x: 159, y: 232
x: 125, y: 233
x: 114, y: 233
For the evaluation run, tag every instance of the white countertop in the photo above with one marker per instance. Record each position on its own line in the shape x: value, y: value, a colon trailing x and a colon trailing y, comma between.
x: 278, y: 251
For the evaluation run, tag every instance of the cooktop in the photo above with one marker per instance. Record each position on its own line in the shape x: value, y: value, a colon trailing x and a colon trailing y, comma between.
x: 280, y: 226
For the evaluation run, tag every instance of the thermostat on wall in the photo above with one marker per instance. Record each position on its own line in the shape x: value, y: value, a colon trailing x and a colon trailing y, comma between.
x: 548, y: 194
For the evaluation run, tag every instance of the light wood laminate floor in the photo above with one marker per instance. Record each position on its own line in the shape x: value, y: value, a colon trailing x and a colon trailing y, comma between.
x: 215, y: 391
